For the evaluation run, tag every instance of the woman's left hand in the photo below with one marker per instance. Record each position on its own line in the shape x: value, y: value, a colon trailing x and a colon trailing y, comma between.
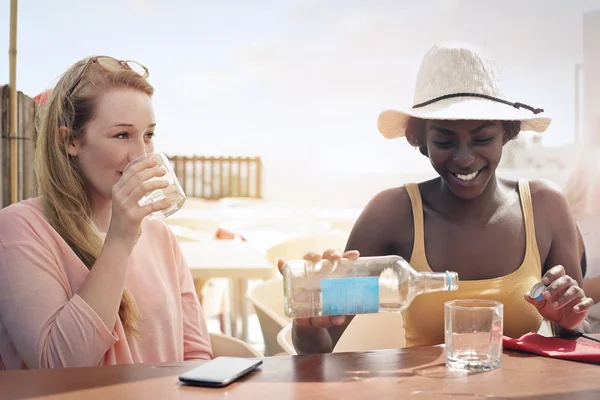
x: 564, y: 303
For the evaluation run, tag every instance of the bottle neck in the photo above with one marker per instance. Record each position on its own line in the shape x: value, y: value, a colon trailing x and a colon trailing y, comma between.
x: 427, y: 282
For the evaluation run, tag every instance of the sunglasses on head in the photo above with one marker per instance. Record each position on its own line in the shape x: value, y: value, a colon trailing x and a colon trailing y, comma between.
x: 109, y: 64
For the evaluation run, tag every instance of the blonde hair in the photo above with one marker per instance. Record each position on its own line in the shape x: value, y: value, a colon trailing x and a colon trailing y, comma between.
x: 583, y: 184
x: 62, y: 186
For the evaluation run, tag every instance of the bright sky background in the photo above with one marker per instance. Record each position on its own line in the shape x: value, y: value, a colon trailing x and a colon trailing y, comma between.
x: 300, y: 82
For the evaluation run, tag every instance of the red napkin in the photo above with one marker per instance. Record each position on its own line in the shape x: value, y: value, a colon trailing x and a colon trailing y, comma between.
x: 554, y: 347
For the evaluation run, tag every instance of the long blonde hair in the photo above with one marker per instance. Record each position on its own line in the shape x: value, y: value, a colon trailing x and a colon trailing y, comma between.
x: 62, y: 186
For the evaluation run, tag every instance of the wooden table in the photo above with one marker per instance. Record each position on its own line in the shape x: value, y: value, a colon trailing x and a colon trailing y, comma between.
x: 417, y: 373
x: 232, y: 259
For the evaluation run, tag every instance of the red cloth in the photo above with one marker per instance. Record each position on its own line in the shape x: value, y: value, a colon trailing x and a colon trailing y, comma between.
x: 567, y: 349
x: 228, y: 235
x: 42, y: 98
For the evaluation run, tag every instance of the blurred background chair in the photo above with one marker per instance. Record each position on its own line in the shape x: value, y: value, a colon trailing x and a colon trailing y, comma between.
x: 267, y: 299
x: 228, y: 346
x: 284, y: 338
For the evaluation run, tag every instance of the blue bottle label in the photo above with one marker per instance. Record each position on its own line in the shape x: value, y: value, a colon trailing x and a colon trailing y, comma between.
x: 347, y: 296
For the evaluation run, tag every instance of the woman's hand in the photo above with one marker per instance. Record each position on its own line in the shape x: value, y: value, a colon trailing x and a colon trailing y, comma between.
x: 127, y: 214
x: 332, y: 256
x: 564, y: 303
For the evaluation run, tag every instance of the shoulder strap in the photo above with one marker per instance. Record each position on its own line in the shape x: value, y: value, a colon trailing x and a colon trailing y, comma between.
x: 417, y: 211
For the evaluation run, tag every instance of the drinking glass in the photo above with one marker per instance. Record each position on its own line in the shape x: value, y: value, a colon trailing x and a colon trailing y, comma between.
x: 174, y: 192
x: 473, y: 334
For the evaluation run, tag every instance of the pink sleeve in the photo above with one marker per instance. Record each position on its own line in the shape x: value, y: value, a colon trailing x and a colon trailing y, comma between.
x: 196, y: 341
x: 47, y: 328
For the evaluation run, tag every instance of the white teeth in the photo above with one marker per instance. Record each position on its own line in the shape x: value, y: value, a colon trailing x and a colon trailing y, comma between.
x: 467, y: 178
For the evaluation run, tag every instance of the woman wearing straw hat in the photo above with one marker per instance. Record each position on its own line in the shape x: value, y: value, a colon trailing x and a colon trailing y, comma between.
x: 502, y: 236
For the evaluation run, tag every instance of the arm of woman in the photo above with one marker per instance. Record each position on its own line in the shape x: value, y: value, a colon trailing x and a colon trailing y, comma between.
x: 48, y: 323
x: 564, y: 302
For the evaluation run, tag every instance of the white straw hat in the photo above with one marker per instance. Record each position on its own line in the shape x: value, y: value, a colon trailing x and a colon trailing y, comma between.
x: 458, y: 83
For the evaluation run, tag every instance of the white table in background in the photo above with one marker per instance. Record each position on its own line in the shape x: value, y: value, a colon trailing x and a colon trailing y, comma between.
x: 235, y: 260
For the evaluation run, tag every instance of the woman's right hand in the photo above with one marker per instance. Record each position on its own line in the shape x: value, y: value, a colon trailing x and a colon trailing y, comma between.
x: 127, y: 214
x: 332, y: 256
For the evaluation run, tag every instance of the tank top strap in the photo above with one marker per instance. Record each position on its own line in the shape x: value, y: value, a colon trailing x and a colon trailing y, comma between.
x: 418, y: 254
x: 531, y: 250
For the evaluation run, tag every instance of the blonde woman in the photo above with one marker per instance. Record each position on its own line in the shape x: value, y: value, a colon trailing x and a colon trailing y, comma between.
x: 583, y: 193
x: 85, y: 278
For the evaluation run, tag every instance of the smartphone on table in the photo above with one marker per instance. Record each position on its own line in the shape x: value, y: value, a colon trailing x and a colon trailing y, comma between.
x: 220, y: 372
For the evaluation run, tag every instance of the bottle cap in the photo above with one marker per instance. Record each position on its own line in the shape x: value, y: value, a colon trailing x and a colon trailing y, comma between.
x: 536, y: 291
x: 451, y: 281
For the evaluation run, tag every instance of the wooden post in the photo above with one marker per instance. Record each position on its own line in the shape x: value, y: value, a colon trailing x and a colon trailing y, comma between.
x: 194, y: 174
x: 258, y: 178
x: 28, y: 145
x: 201, y: 174
x: 229, y: 192
x: 204, y: 170
x: 247, y: 180
x: 4, y: 148
x: 184, y: 175
x: 21, y: 119
x: 221, y: 177
x: 238, y: 162
x: 12, y: 130
x: 211, y: 163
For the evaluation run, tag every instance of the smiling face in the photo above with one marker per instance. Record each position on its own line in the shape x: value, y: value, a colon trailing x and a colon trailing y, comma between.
x: 465, y: 153
x: 121, y: 130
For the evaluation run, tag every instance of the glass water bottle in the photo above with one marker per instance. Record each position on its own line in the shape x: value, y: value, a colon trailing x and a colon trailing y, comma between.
x: 361, y: 286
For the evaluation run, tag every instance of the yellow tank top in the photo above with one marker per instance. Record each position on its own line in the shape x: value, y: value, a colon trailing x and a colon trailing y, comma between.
x: 424, y: 319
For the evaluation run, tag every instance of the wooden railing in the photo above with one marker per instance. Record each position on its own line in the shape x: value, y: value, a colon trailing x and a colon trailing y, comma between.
x: 218, y: 177
x: 26, y: 108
